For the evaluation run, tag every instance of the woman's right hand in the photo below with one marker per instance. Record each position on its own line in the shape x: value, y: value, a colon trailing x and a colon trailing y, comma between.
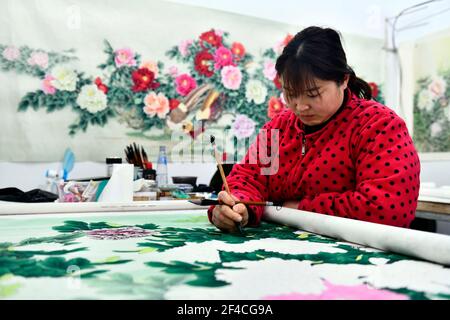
x: 225, y: 215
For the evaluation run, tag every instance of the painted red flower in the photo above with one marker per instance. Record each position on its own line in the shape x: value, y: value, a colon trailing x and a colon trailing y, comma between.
x: 143, y: 79
x: 374, y: 88
x: 238, y: 50
x: 100, y: 85
x: 204, y: 63
x: 275, y: 107
x: 212, y: 38
x: 288, y: 39
x: 174, y: 103
x: 277, y: 82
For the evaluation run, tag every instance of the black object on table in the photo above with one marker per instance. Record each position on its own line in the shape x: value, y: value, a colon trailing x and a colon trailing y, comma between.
x: 35, y: 195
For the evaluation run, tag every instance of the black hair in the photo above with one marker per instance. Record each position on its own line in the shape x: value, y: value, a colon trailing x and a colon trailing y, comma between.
x: 316, y: 52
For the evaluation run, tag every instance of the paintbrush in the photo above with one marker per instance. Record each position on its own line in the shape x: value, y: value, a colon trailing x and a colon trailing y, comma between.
x: 222, y: 174
x: 144, y: 155
x: 209, y: 202
x: 136, y: 155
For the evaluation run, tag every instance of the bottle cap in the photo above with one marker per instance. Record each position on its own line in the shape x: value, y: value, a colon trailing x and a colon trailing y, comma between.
x: 112, y: 160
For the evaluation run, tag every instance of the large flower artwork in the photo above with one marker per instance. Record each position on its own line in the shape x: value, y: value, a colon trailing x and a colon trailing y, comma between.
x: 224, y: 87
x: 432, y: 114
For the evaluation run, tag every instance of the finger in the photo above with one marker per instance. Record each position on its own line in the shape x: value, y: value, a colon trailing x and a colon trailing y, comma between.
x: 240, y: 208
x: 220, y: 219
x: 230, y: 214
x: 226, y: 198
x: 222, y: 222
x: 243, y: 211
x: 225, y: 222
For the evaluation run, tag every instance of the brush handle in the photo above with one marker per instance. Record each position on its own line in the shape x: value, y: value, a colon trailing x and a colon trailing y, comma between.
x: 224, y: 179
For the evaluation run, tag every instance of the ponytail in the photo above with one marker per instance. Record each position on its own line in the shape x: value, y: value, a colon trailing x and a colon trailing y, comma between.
x: 358, y: 86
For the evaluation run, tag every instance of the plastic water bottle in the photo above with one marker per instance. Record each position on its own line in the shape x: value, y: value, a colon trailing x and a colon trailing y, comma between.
x: 161, y: 169
x: 52, y: 178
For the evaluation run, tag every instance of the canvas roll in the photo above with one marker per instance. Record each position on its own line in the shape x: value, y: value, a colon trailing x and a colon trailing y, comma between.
x: 15, y: 208
x: 419, y: 244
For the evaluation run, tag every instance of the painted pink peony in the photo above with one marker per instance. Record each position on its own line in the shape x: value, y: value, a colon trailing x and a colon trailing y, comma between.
x: 243, y: 126
x: 156, y: 105
x: 173, y: 71
x: 183, y: 47
x: 185, y: 84
x: 223, y: 57
x: 47, y: 86
x: 118, y: 233
x: 124, y: 57
x: 231, y: 77
x: 38, y: 58
x: 11, y: 53
x: 339, y: 292
x: 219, y: 32
x: 269, y: 70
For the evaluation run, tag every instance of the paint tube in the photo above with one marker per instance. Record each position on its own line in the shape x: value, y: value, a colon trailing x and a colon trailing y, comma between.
x: 90, y: 191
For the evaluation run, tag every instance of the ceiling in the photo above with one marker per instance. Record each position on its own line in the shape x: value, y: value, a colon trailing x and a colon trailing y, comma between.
x: 362, y: 17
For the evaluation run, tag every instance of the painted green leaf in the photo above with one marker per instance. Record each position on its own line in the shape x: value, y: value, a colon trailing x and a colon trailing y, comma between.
x: 204, y: 272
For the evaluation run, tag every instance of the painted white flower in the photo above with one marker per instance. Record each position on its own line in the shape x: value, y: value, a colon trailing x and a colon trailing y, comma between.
x: 251, y: 67
x: 437, y: 87
x: 255, y: 90
x: 65, y: 78
x: 435, y: 129
x: 425, y: 101
x: 92, y: 99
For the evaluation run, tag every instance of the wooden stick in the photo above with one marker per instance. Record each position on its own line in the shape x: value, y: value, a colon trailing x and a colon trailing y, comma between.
x: 224, y: 179
x: 222, y: 174
x: 219, y: 164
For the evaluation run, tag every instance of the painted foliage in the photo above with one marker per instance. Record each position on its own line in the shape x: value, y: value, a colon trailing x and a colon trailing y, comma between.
x: 179, y: 255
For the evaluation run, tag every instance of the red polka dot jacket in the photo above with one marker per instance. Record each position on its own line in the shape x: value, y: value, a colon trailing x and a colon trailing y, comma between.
x: 362, y: 165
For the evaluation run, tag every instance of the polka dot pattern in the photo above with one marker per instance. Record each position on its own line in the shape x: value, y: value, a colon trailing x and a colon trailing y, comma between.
x: 361, y: 165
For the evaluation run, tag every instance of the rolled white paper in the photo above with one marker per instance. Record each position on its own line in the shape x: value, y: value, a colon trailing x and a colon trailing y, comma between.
x: 424, y: 245
x: 17, y: 208
x: 120, y: 186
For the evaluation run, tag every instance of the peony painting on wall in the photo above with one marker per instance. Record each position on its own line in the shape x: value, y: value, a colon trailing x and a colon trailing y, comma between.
x: 223, y: 88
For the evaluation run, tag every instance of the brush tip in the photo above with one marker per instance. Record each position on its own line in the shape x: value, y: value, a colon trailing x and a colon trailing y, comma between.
x: 212, y: 139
